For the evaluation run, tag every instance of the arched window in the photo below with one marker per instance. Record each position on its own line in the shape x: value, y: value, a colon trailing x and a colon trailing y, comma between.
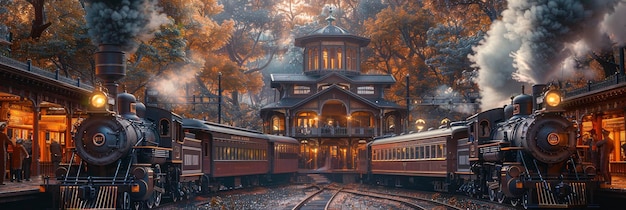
x: 309, y: 58
x: 391, y: 124
x: 339, y: 58
x: 332, y: 63
x: 353, y: 60
x: 348, y: 58
x: 484, y: 130
x: 276, y: 124
x: 325, y: 58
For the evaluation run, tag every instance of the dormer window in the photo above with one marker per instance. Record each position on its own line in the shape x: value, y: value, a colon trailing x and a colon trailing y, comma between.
x: 299, y: 90
x: 365, y: 90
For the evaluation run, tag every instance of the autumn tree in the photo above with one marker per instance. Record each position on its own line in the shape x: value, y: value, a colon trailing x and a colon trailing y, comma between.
x: 64, y: 46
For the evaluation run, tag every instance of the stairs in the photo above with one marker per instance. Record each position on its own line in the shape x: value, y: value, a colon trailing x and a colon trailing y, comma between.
x: 318, y: 179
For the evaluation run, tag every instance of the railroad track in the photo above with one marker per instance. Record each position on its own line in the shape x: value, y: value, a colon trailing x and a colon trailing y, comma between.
x: 410, y: 201
x: 323, y: 198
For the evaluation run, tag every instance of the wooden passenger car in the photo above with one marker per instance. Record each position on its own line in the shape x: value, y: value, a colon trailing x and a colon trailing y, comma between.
x: 283, y: 154
x: 426, y: 157
x: 231, y: 156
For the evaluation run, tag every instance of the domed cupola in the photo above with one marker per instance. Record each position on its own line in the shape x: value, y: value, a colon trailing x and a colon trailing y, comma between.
x: 331, y: 49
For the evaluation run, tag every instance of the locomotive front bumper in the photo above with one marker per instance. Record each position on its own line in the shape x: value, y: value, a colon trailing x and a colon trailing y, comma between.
x: 557, y: 194
x: 95, y: 196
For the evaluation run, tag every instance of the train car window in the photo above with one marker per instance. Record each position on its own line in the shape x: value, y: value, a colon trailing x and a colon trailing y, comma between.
x: 416, y: 152
x: 405, y: 153
x: 164, y: 126
x: 484, y: 129
x: 206, y: 149
x: 443, y: 150
x: 433, y: 151
x: 427, y: 150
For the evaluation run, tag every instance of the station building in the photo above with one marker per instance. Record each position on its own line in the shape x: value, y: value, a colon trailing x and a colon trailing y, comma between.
x: 332, y: 108
x: 41, y: 106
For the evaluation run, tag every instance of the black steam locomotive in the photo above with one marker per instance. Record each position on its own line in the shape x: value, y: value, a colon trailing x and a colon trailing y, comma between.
x: 525, y: 153
x: 134, y: 157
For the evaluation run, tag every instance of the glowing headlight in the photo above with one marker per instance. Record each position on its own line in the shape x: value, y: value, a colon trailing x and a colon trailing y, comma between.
x: 98, y: 100
x: 552, y: 98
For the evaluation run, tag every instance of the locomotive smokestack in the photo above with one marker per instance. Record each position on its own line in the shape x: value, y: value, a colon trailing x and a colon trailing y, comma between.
x: 537, y: 92
x: 110, y: 67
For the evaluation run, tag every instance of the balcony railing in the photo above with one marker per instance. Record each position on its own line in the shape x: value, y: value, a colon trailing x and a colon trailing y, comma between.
x: 334, y: 132
x: 600, y: 85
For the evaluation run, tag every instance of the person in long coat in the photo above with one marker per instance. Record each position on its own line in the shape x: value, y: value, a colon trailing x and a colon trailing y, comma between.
x: 19, y: 153
x: 605, y: 146
x: 26, y: 165
x: 56, y: 154
x: 4, y: 141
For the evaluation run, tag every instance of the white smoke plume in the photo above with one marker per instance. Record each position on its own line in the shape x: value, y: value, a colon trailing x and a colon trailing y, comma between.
x: 536, y: 39
x: 123, y: 22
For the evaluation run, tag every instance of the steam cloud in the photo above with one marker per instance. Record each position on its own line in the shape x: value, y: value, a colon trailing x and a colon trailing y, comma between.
x: 123, y: 22
x: 535, y: 42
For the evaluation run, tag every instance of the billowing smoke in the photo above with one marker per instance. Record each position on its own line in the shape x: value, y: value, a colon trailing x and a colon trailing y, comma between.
x: 123, y: 22
x: 534, y: 41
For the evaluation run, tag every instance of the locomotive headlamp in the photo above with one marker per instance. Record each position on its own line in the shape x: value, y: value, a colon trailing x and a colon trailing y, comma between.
x: 99, y: 103
x: 98, y: 100
x: 552, y: 98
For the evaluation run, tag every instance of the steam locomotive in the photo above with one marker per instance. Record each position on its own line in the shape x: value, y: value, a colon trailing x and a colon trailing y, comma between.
x: 134, y: 157
x: 525, y: 153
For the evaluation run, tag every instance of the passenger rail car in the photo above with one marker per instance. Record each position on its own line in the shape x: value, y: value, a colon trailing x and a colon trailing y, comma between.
x: 135, y: 156
x: 242, y: 157
x: 418, y: 159
x: 524, y: 153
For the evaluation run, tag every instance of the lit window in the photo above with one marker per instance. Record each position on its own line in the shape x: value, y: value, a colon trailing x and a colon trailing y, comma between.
x: 301, y: 90
x: 365, y: 90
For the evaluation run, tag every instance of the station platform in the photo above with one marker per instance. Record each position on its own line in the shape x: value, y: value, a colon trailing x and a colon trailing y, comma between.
x: 618, y: 184
x: 17, y: 191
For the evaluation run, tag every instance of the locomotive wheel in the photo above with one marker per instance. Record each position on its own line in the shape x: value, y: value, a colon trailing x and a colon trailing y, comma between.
x: 514, y: 201
x: 157, y: 195
x: 137, y: 205
x: 500, y: 197
x: 174, y: 196
x: 525, y: 201
x: 150, y: 202
x: 492, y: 194
x: 126, y: 200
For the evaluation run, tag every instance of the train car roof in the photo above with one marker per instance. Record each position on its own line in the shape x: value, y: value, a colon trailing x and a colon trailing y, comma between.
x: 214, y: 127
x: 283, y: 139
x: 421, y: 135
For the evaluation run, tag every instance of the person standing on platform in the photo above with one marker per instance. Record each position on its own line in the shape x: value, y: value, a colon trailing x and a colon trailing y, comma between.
x: 605, y: 146
x: 55, y: 153
x: 4, y: 141
x: 28, y: 144
x: 592, y: 153
x: 19, y: 153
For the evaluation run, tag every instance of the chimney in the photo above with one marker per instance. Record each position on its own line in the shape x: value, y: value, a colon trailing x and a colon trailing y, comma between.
x: 538, y: 90
x: 110, y: 67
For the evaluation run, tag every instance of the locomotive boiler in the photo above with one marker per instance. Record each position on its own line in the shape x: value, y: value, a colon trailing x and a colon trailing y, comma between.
x: 524, y: 153
x: 118, y: 156
x: 530, y: 155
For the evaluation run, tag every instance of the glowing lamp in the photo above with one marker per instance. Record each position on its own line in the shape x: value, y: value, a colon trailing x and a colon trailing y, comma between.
x: 552, y: 98
x: 98, y: 100
x: 99, y: 103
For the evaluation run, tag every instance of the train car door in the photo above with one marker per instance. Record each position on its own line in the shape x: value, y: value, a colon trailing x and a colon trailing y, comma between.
x: 206, y: 140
